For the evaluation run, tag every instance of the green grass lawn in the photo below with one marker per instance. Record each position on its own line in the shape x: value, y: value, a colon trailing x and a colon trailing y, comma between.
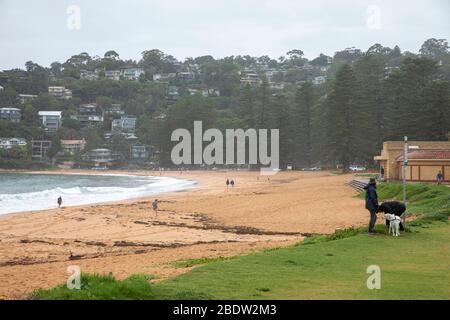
x: 413, y: 266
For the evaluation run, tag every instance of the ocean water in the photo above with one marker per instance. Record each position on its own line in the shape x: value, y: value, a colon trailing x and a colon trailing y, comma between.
x: 30, y: 192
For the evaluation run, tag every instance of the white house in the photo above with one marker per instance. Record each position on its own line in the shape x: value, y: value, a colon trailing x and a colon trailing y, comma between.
x: 10, y: 114
x: 8, y: 143
x: 124, y: 124
x: 88, y: 75
x: 60, y: 93
x: 131, y: 73
x: 51, y: 120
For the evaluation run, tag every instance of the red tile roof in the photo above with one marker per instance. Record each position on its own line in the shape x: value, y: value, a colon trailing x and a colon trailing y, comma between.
x: 427, y: 154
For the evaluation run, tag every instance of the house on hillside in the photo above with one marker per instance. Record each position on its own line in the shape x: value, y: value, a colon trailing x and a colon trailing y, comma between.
x: 250, y: 77
x: 8, y: 143
x: 124, y: 124
x: 164, y: 77
x: 39, y: 149
x: 139, y: 153
x: 130, y: 136
x: 73, y: 146
x: 112, y: 75
x: 51, y: 120
x: 185, y: 76
x: 88, y: 75
x: 25, y: 98
x: 114, y: 109
x: 210, y: 92
x: 131, y: 73
x: 11, y: 114
x: 102, y: 157
x: 89, y: 108
x: 60, y: 93
x: 88, y: 114
x: 425, y: 160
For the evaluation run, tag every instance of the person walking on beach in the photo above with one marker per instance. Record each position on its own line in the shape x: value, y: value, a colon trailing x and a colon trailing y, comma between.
x: 232, y: 183
x: 439, y: 177
x: 228, y: 183
x: 155, y: 206
x: 372, y: 203
x: 59, y: 202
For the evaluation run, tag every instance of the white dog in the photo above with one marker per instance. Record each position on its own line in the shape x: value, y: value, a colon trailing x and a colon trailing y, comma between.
x: 394, y: 224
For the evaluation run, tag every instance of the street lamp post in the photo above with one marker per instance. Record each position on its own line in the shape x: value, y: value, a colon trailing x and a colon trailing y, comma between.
x: 405, y: 164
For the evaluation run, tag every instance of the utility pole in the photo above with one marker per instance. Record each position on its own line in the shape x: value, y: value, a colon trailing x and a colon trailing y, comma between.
x: 405, y: 164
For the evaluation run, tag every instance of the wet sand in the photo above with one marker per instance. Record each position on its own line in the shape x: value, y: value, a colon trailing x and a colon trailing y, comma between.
x: 209, y: 220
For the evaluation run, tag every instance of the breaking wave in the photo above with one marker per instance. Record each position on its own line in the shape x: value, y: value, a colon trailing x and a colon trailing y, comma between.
x: 78, y: 195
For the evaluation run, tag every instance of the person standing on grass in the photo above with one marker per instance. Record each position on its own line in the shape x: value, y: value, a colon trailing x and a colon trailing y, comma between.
x: 59, y: 202
x: 372, y: 203
x: 155, y: 206
x: 439, y: 177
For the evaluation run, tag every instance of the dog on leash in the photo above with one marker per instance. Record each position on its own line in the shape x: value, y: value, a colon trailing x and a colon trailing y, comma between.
x: 394, y: 224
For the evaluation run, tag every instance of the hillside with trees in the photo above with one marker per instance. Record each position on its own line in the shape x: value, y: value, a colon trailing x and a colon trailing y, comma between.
x: 331, y: 111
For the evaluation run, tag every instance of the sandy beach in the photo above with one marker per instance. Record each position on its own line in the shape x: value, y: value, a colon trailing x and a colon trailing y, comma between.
x: 208, y: 220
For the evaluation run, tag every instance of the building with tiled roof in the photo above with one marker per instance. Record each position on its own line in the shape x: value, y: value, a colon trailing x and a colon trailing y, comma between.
x: 425, y: 160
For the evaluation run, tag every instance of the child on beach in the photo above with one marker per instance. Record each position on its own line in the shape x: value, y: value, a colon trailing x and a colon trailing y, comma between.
x: 59, y: 202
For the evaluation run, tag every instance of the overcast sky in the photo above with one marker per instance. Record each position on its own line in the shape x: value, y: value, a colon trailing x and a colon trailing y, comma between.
x: 43, y: 31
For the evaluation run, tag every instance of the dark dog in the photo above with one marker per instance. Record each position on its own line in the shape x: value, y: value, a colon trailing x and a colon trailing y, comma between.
x: 393, y: 207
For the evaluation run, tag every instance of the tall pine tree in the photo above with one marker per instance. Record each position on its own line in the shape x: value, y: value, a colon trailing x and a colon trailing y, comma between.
x: 346, y: 136
x: 304, y: 102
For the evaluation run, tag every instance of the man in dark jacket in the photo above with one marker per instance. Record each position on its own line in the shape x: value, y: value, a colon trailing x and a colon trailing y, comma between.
x: 393, y: 207
x: 372, y: 203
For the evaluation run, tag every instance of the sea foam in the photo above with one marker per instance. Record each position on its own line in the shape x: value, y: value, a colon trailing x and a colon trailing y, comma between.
x: 79, y: 195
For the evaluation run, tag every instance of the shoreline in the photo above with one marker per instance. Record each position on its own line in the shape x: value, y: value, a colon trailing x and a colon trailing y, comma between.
x: 208, y: 220
x: 193, y: 184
